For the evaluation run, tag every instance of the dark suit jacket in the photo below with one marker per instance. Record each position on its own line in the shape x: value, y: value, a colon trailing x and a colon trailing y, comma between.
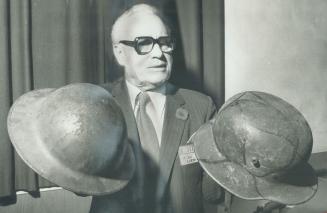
x: 186, y: 111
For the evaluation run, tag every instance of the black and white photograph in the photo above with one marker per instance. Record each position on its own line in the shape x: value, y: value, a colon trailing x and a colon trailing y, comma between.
x: 163, y: 106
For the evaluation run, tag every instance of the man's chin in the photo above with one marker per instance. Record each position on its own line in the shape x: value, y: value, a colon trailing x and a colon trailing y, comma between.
x: 150, y: 85
x: 158, y: 78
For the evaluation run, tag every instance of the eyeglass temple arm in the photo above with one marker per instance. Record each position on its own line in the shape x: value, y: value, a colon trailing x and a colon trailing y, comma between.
x: 129, y: 43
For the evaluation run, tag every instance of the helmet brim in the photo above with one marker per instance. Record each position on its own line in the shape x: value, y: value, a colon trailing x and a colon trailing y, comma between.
x: 29, y: 146
x: 298, y: 186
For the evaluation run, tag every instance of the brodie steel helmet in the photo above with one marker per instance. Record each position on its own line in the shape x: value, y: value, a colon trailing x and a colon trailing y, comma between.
x: 257, y: 147
x: 74, y: 136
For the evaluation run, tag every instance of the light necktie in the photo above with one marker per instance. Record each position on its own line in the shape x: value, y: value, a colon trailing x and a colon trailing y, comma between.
x: 147, y: 132
x: 150, y: 146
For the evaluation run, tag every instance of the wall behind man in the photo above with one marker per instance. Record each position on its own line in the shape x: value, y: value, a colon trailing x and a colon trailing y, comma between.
x: 280, y: 47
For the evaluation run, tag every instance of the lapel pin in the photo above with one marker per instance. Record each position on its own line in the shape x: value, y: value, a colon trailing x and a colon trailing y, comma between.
x: 181, y: 114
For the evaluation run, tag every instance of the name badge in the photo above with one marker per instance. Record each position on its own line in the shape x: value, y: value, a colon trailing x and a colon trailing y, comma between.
x: 187, y: 155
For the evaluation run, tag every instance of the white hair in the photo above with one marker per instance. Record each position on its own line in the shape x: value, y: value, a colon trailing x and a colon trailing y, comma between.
x: 121, y: 25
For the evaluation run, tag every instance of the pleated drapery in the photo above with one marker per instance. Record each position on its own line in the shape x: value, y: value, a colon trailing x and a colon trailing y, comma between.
x: 15, y: 79
x: 43, y: 44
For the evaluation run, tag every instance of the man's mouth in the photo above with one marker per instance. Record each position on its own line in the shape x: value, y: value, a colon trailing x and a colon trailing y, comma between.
x: 157, y: 66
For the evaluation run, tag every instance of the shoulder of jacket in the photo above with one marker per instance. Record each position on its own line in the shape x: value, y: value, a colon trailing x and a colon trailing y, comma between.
x: 199, y: 105
x: 110, y: 85
x: 193, y: 96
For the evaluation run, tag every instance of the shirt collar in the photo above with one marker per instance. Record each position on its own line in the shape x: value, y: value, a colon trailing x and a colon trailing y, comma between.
x: 157, y: 96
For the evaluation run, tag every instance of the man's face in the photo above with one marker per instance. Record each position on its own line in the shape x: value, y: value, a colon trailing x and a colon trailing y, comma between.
x: 150, y: 70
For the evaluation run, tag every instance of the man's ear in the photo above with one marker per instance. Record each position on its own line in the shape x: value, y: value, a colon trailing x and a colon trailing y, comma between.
x: 119, y: 54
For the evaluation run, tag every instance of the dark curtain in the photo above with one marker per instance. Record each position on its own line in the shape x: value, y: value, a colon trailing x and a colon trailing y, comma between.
x: 48, y: 44
x: 43, y: 44
x: 200, y: 57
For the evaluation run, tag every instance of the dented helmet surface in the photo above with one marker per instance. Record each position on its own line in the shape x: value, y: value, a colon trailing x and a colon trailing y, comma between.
x: 257, y: 147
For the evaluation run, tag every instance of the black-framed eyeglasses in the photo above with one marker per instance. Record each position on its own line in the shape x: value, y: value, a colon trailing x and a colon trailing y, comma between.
x: 144, y: 44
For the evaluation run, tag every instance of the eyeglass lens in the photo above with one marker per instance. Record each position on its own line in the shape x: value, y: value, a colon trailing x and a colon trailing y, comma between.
x: 145, y: 44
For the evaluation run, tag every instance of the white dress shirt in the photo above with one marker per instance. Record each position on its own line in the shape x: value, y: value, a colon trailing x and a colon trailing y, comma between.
x: 155, y: 109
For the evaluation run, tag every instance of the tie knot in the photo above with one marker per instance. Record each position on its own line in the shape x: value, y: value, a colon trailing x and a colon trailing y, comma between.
x: 143, y: 99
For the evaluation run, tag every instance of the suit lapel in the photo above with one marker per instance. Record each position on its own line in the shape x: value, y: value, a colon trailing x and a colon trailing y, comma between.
x: 173, y: 128
x: 172, y: 131
x: 119, y: 91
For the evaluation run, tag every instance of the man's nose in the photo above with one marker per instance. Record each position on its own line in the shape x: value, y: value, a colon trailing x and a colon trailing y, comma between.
x: 156, y: 51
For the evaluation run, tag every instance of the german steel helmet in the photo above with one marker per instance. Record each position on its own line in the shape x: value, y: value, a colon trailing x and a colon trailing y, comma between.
x: 257, y: 147
x: 74, y: 136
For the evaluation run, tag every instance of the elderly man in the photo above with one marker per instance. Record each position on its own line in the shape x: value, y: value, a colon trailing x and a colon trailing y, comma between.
x: 160, y: 118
